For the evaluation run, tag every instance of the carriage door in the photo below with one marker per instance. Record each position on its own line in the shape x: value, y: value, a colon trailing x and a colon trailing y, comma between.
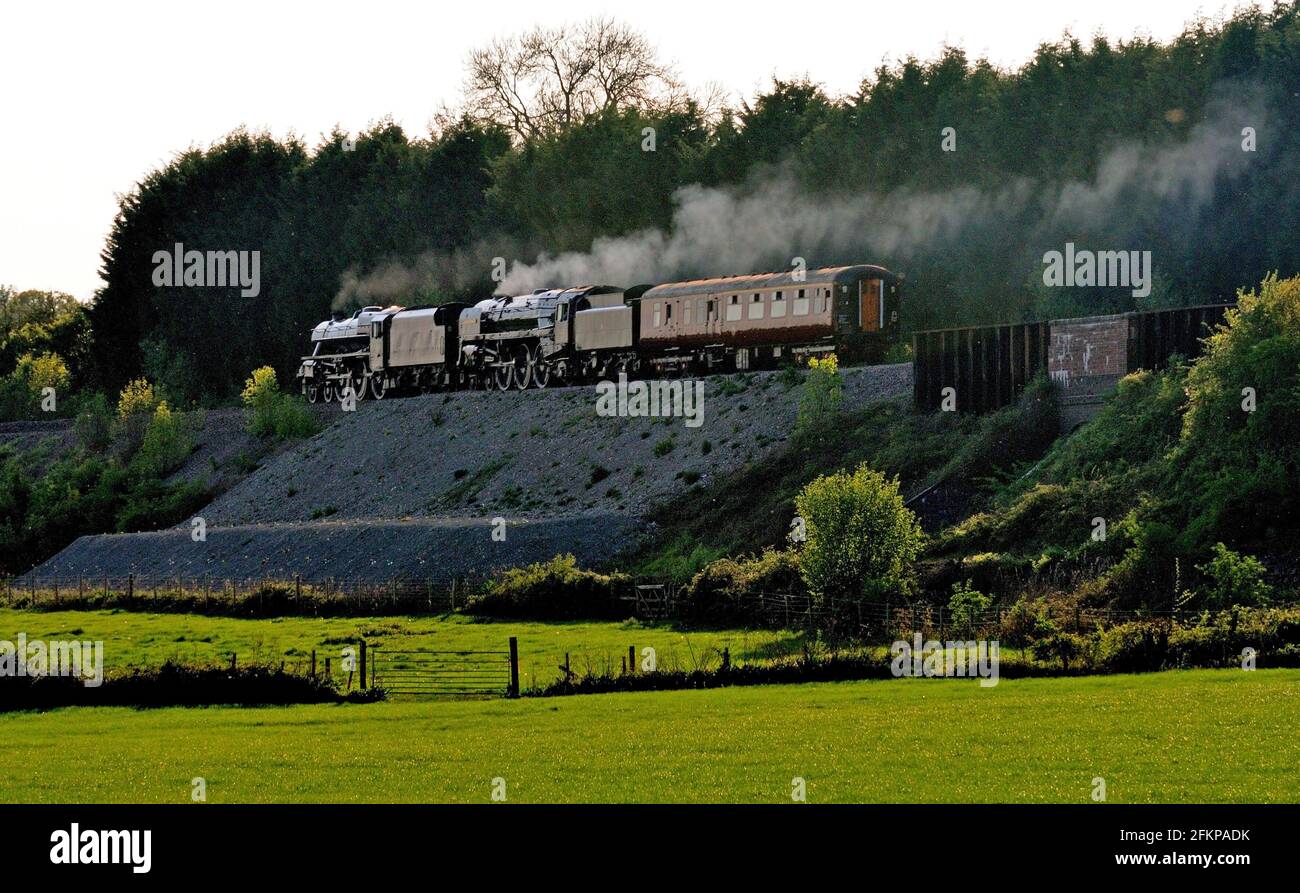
x: 871, y: 303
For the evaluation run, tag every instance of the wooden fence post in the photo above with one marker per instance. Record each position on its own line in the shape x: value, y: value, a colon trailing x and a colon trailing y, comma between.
x: 130, y: 587
x: 631, y: 659
x: 363, y: 663
x: 313, y: 662
x: 513, y: 690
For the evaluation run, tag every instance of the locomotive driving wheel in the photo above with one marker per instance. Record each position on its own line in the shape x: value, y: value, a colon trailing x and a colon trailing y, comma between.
x: 327, y: 392
x: 524, y: 361
x: 312, y: 393
x: 378, y: 387
x: 503, y: 375
x: 541, y: 373
x: 359, y: 383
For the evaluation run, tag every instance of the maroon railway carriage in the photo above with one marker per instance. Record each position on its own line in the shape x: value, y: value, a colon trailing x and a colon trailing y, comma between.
x: 754, y: 321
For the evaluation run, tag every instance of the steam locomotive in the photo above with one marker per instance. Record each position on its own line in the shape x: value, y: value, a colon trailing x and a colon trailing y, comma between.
x: 573, y: 335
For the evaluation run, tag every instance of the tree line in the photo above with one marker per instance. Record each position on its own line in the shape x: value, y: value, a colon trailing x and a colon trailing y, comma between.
x: 1123, y: 144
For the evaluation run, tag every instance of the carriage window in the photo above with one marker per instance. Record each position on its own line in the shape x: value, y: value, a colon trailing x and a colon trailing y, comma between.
x: 803, y: 292
x: 658, y: 322
x: 668, y: 314
x: 733, y: 309
x: 780, y: 296
x: 756, y: 307
x: 778, y: 304
x: 686, y: 312
x: 800, y: 307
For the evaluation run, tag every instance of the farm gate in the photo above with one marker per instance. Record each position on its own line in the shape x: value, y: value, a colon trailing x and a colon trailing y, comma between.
x: 433, y: 672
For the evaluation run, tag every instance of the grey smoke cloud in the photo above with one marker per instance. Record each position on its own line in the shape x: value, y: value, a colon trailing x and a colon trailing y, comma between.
x: 763, y: 225
x: 720, y: 231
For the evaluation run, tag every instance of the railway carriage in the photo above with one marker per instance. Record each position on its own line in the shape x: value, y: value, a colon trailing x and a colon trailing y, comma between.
x: 746, y: 322
x: 568, y: 335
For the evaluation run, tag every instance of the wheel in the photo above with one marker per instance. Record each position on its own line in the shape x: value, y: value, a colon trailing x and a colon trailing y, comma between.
x: 311, y: 392
x: 358, y: 382
x: 541, y: 369
x: 503, y: 375
x: 327, y: 392
x: 378, y: 387
x: 523, y: 367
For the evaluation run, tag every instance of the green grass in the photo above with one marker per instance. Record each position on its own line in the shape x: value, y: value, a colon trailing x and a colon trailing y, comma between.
x: 140, y: 639
x: 1198, y: 736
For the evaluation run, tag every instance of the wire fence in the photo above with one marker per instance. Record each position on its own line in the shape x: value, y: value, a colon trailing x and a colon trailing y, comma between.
x: 257, y: 595
x: 645, y: 599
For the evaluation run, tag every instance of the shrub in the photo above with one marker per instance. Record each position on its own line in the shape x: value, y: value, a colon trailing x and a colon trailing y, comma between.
x: 860, y: 538
x: 823, y: 394
x: 1233, y: 579
x: 1067, y: 648
x: 94, y: 423
x: 135, y: 407
x: 726, y: 590
x: 552, y: 590
x: 967, y: 604
x: 165, y: 445
x: 22, y: 390
x: 1137, y: 647
x: 272, y: 413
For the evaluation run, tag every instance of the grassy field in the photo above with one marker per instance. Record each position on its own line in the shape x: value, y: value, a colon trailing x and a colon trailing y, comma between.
x: 1200, y: 736
x: 133, y: 639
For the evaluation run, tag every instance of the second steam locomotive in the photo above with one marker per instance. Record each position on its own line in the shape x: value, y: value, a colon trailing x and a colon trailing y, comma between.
x: 572, y: 335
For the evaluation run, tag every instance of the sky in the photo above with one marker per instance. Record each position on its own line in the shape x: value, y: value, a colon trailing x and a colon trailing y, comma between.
x: 95, y: 95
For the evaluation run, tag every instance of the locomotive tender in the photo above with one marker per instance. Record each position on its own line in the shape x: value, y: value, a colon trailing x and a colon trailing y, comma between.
x: 571, y: 335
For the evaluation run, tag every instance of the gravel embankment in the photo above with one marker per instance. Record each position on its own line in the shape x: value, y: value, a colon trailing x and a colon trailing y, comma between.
x: 536, y: 454
x: 425, y: 549
x: 385, y: 491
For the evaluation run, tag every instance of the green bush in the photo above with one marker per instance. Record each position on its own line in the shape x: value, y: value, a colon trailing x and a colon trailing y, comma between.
x: 165, y: 445
x: 861, y: 541
x: 967, y: 604
x: 1068, y: 649
x: 272, y: 413
x: 1136, y: 647
x: 726, y: 591
x: 823, y: 394
x: 552, y: 590
x: 1233, y: 579
x: 94, y: 423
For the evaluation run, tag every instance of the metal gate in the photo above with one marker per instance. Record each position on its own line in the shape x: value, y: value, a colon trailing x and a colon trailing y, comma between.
x: 447, y: 673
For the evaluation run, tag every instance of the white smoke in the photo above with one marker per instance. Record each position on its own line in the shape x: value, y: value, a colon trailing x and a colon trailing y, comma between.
x: 765, y: 225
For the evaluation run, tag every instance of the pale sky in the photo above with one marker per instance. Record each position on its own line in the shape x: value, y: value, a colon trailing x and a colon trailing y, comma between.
x: 94, y: 95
